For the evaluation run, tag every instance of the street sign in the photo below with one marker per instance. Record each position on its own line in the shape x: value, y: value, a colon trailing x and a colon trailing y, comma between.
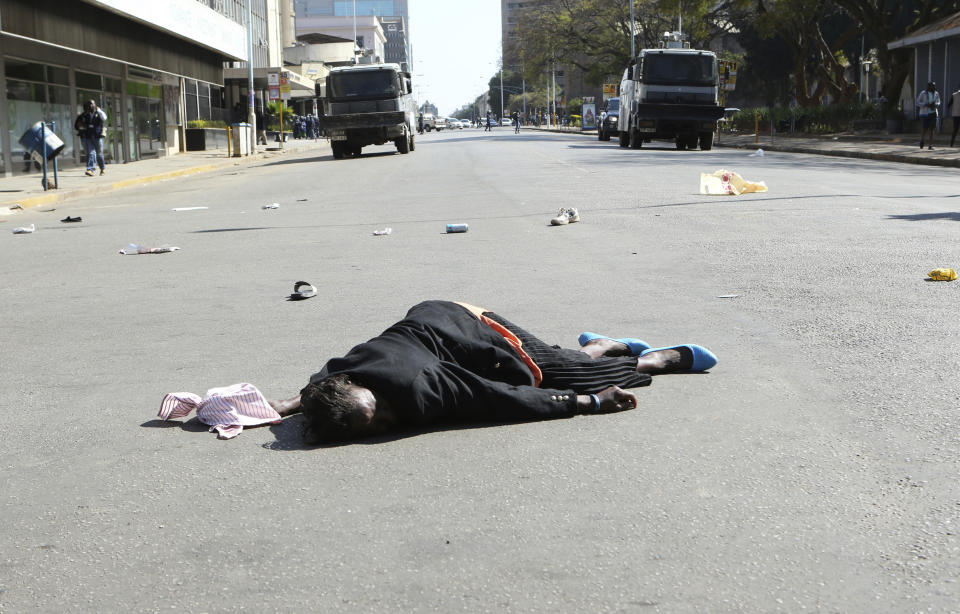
x: 273, y: 78
x: 274, y: 92
x: 285, y: 85
x: 609, y: 91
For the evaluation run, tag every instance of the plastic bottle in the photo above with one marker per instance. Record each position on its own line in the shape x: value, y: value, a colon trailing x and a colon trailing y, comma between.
x: 457, y: 228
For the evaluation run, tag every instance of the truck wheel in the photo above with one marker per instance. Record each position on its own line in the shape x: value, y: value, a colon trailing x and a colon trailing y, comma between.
x: 337, y: 148
x: 706, y: 141
x: 403, y: 144
x: 624, y: 139
x: 636, y: 141
x: 413, y: 144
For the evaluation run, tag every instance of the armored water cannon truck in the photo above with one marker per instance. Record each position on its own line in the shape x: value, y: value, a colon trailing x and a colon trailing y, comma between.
x: 369, y: 104
x: 670, y: 93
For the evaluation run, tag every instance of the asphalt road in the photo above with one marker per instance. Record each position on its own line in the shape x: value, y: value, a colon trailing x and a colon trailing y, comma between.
x: 815, y: 469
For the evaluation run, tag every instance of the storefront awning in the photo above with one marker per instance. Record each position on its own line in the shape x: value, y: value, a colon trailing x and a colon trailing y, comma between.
x: 300, y: 86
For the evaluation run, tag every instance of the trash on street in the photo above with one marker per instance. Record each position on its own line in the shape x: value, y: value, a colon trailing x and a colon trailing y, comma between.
x: 133, y: 249
x: 70, y: 220
x: 382, y: 232
x: 302, y: 290
x: 188, y: 208
x: 271, y: 206
x: 942, y: 274
x: 457, y: 227
x: 723, y: 182
x: 24, y: 230
x: 757, y: 154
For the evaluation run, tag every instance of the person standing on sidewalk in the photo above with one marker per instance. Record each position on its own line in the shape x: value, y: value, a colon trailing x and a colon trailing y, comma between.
x: 929, y: 104
x: 954, y: 106
x: 90, y: 128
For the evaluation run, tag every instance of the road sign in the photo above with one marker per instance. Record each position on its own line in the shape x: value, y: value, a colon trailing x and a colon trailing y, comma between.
x: 274, y: 92
x: 609, y: 90
x: 284, y: 85
x: 273, y: 78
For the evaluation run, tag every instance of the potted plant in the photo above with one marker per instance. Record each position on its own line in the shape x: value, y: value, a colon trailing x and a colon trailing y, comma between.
x: 203, y: 134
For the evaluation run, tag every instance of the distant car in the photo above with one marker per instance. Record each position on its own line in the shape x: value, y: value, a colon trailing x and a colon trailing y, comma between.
x: 609, y: 120
x: 453, y: 122
x: 429, y: 122
x: 506, y: 121
x: 465, y: 123
x: 441, y: 123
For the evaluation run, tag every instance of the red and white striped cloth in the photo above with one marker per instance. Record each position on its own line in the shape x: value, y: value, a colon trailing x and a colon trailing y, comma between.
x: 227, y: 410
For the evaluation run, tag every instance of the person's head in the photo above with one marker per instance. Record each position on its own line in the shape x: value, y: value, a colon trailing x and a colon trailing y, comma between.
x: 931, y: 86
x: 89, y: 106
x: 337, y: 409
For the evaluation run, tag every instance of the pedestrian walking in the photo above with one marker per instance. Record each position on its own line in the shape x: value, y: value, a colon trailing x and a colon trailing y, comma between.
x: 489, y: 119
x: 516, y: 122
x: 90, y: 127
x: 929, y: 104
x: 954, y: 106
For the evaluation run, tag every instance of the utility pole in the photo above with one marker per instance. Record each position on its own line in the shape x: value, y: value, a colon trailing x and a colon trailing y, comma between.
x: 251, y: 116
x: 354, y: 31
x: 633, y: 35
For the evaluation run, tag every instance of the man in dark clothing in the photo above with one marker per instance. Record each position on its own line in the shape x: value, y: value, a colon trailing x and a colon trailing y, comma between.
x: 89, y: 127
x: 453, y: 361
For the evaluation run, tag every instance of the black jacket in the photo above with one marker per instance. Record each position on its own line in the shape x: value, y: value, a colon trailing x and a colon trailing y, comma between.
x: 441, y: 362
x: 89, y: 125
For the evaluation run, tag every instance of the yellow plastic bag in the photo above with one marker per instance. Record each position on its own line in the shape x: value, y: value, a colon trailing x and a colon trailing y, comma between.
x: 942, y: 274
x: 723, y: 182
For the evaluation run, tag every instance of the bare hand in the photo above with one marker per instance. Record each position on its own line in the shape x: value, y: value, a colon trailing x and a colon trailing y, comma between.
x: 616, y: 399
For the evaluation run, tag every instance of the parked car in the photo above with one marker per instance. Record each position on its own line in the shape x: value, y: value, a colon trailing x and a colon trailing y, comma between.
x: 441, y: 123
x: 453, y: 122
x: 609, y: 120
x: 506, y: 121
x: 466, y: 123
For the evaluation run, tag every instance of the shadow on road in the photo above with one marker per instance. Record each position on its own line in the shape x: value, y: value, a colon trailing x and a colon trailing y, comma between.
x: 953, y: 216
x: 191, y: 426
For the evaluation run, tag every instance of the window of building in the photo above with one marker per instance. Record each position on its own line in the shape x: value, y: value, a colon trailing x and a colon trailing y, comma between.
x: 344, y: 8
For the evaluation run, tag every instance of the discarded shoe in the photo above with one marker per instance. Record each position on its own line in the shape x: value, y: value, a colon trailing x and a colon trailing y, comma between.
x: 302, y: 290
x: 69, y: 220
x: 566, y: 215
x: 703, y: 358
x: 636, y: 345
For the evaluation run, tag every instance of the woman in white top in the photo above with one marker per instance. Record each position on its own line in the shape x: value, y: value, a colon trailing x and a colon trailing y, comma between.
x: 929, y: 104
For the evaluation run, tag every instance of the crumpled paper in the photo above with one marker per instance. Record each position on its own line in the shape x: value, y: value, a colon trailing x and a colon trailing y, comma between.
x: 728, y: 183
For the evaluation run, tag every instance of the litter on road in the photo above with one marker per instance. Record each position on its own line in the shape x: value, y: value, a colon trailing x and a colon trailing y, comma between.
x: 70, y: 220
x: 728, y: 296
x: 302, y: 290
x: 757, y: 154
x: 458, y: 227
x: 24, y: 230
x: 942, y: 274
x: 133, y: 249
x: 382, y: 232
x: 728, y: 183
x: 271, y: 206
x: 188, y: 208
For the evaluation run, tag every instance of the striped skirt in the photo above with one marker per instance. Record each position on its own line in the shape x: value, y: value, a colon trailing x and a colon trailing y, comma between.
x: 565, y: 369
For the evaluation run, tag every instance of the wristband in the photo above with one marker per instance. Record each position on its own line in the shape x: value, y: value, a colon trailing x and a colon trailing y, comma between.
x: 596, y: 402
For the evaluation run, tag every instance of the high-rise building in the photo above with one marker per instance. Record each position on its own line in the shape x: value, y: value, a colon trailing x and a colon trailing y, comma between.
x: 344, y: 8
x: 393, y: 14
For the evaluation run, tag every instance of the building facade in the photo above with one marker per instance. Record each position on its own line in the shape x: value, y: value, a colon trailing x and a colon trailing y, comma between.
x: 150, y: 65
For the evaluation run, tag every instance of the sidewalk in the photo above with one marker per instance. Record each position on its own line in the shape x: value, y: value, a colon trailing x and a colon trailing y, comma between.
x: 872, y: 146
x: 26, y: 191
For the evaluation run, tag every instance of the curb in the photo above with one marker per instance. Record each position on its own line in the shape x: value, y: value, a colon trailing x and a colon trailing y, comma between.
x: 865, y: 155
x: 54, y: 196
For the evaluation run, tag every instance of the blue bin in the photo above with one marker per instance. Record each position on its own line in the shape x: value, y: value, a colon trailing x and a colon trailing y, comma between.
x: 32, y: 143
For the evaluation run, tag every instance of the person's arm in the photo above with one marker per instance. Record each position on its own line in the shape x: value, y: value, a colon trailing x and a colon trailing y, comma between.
x: 449, y: 390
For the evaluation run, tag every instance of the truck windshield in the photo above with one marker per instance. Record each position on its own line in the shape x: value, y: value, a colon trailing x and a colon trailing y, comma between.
x: 362, y: 84
x: 674, y: 68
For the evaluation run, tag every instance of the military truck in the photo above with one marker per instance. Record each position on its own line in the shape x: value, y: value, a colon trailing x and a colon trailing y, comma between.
x: 369, y: 104
x: 670, y: 93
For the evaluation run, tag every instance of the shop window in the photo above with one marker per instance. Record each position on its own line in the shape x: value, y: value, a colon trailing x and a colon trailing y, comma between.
x: 203, y: 96
x: 190, y: 94
x: 60, y: 76
x: 88, y: 81
x: 113, y: 85
x: 17, y: 69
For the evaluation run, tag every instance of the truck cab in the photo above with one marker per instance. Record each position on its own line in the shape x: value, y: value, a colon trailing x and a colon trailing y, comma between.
x: 670, y: 93
x: 369, y: 104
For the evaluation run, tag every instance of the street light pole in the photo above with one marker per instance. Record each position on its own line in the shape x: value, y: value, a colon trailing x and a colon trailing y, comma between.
x: 251, y: 116
x: 633, y: 52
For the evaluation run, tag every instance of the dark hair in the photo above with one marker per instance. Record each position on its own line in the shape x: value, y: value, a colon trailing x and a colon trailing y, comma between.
x: 88, y: 106
x: 329, y: 408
